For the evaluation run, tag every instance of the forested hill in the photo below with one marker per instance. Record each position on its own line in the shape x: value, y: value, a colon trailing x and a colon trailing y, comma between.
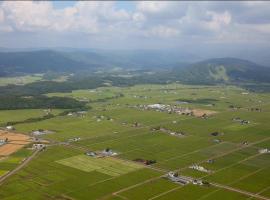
x: 223, y: 70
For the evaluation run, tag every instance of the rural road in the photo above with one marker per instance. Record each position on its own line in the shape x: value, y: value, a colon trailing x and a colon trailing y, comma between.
x: 25, y: 162
x: 240, y: 191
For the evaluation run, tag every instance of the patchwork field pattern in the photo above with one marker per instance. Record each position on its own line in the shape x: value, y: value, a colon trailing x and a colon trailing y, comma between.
x: 232, y: 155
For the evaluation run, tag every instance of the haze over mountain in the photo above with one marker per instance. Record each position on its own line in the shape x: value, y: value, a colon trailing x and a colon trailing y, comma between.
x: 69, y: 61
x: 185, y: 67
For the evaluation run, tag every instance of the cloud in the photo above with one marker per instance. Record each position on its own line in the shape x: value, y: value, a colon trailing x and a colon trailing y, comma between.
x: 171, y: 20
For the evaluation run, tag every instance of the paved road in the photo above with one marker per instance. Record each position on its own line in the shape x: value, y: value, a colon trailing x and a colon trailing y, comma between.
x: 25, y: 162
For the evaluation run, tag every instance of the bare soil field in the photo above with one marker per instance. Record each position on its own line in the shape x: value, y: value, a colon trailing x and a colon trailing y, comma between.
x: 15, y: 142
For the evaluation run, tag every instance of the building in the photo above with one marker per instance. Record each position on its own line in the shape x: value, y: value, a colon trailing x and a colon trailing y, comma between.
x: 199, y: 168
x: 91, y: 153
x: 10, y: 128
x: 197, y: 182
x: 3, y: 141
x: 178, y: 179
x: 108, y: 152
x: 39, y: 146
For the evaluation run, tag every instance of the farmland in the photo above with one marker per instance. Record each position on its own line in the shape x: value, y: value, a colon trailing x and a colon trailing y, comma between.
x: 225, y: 142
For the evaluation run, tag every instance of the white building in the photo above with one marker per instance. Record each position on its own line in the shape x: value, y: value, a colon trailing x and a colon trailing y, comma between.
x: 2, y: 141
x: 264, y: 151
x: 38, y: 146
x: 199, y: 168
x: 9, y: 127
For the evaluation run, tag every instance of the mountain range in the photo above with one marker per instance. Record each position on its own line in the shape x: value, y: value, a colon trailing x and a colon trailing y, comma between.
x: 183, y: 66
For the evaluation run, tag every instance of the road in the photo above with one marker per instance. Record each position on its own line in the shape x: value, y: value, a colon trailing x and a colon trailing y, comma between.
x: 257, y: 196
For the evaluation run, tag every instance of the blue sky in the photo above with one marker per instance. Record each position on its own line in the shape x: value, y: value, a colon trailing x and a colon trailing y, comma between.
x: 136, y: 24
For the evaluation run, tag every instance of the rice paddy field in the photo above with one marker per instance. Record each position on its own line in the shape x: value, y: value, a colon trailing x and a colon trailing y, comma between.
x: 234, y: 166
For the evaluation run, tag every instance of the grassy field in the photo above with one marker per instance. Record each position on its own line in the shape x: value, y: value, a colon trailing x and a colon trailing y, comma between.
x: 116, y: 122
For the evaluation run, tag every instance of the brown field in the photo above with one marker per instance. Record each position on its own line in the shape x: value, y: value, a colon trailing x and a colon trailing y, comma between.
x: 8, y: 149
x: 15, y: 142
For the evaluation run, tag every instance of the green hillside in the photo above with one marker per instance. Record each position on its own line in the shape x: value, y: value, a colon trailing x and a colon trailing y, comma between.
x: 223, y: 70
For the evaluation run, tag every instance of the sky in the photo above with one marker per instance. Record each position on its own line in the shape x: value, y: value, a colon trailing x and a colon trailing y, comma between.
x: 193, y: 26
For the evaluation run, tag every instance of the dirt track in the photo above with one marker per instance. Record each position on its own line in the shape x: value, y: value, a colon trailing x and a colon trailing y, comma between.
x: 25, y: 162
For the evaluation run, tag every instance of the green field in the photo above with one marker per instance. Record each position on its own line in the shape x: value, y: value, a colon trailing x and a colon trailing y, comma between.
x: 20, y: 80
x: 109, y: 166
x: 62, y: 171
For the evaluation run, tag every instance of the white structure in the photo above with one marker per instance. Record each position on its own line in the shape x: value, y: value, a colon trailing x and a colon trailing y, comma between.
x: 157, y: 106
x: 197, y: 182
x: 264, y: 151
x: 74, y: 139
x: 38, y: 146
x: 2, y: 141
x: 10, y: 128
x: 108, y: 152
x: 41, y: 132
x: 199, y: 168
x: 91, y: 153
x: 178, y: 179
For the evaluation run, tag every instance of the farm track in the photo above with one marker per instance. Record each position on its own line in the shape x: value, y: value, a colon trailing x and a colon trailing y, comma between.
x: 24, y: 163
x: 250, y: 194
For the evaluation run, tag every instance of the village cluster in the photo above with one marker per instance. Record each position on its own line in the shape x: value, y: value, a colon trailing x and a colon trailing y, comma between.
x: 183, y: 180
x: 167, y: 108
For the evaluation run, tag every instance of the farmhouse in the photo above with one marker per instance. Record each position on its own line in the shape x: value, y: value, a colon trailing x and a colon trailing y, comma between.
x: 197, y: 182
x: 178, y: 179
x: 39, y: 146
x: 108, y: 152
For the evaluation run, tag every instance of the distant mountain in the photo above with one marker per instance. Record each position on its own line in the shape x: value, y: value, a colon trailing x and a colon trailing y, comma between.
x: 224, y: 70
x: 37, y: 62
x: 72, y: 60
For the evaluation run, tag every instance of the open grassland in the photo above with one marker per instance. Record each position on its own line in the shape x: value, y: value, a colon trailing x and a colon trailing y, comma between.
x: 63, y: 172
